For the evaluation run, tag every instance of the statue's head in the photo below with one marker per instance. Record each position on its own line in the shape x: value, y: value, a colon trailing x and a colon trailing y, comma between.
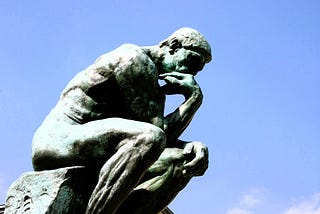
x: 187, y: 49
x: 190, y: 39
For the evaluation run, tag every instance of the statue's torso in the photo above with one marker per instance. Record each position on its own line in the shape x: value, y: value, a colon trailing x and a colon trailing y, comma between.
x: 97, y: 92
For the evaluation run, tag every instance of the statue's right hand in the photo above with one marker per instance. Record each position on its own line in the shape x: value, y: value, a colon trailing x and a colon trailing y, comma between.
x: 180, y: 83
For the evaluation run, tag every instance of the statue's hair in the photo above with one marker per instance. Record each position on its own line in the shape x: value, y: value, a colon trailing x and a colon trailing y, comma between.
x: 191, y: 39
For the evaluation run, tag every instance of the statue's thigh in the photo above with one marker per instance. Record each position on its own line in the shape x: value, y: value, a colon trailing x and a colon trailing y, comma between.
x: 101, y: 138
x: 92, y: 143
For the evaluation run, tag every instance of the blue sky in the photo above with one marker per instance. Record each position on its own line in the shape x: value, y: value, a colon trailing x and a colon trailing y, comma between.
x: 261, y: 110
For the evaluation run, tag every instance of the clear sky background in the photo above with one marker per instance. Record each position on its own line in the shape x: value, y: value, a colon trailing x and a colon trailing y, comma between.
x: 261, y: 110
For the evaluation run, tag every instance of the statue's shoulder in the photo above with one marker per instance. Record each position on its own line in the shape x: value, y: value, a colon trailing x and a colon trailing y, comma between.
x: 131, y: 52
x: 133, y: 62
x: 129, y: 48
x: 127, y: 57
x: 123, y: 56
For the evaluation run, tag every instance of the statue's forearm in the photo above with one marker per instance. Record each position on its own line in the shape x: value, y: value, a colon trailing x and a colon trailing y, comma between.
x: 177, y: 121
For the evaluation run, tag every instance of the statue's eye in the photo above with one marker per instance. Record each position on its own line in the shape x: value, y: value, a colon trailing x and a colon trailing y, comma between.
x: 195, y: 61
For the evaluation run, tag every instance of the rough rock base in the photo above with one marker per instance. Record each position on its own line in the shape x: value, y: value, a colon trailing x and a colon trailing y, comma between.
x: 60, y: 191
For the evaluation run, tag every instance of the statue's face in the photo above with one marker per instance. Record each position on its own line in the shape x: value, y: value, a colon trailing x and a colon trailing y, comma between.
x: 184, y: 61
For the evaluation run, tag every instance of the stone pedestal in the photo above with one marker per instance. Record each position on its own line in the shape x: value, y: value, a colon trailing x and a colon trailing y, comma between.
x: 60, y: 191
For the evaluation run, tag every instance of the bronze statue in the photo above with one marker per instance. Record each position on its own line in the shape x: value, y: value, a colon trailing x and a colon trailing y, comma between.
x: 110, y: 118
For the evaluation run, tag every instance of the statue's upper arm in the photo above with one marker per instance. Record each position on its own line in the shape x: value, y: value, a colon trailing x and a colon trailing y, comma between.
x: 138, y: 79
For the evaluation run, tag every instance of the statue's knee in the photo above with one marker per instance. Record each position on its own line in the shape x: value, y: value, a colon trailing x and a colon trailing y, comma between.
x: 154, y: 140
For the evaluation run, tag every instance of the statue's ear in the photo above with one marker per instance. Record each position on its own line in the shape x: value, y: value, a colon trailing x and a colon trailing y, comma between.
x: 174, y: 45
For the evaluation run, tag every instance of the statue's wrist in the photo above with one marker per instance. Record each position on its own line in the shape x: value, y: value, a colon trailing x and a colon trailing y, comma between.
x: 195, y: 94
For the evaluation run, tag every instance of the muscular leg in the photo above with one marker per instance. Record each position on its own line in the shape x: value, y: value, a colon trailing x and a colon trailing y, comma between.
x: 122, y: 172
x: 127, y: 149
x: 159, y: 186
x: 57, y: 145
